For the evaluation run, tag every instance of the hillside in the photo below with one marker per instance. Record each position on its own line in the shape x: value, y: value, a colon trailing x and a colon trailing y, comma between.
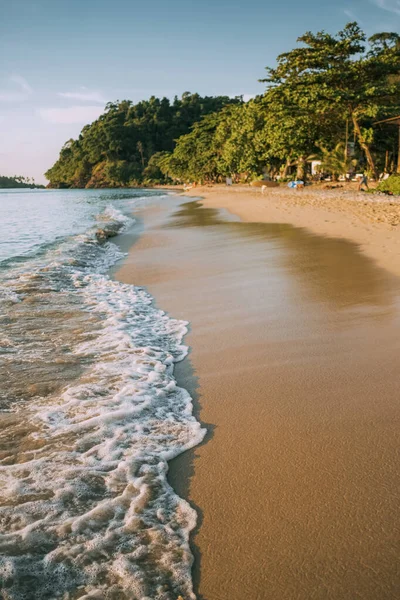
x: 118, y: 149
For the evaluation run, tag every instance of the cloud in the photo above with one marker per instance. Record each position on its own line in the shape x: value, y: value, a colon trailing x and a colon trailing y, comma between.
x: 20, y: 90
x: 392, y: 6
x: 23, y: 84
x: 349, y: 13
x: 71, y: 114
x: 84, y: 96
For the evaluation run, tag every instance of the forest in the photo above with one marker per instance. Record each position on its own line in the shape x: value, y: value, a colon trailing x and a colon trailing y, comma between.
x: 18, y: 181
x: 325, y: 99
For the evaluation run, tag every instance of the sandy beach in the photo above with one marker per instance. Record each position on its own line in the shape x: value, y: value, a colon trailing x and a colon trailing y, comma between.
x: 371, y: 221
x: 294, y: 337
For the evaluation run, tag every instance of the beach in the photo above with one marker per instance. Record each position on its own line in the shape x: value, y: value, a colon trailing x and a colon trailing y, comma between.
x: 200, y: 301
x: 371, y: 221
x: 293, y: 367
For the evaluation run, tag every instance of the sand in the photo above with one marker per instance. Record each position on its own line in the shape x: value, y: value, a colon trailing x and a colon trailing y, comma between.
x: 371, y: 221
x: 294, y: 368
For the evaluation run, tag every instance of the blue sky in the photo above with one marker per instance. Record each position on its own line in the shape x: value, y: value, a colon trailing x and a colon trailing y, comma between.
x: 62, y: 60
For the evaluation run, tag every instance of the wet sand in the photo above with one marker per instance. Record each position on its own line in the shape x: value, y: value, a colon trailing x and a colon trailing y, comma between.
x: 371, y: 221
x: 294, y: 368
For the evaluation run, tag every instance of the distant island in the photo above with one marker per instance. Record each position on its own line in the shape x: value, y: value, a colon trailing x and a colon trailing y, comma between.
x: 329, y: 109
x: 18, y: 181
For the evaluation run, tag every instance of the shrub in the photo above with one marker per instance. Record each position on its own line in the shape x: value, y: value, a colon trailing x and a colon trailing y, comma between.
x: 391, y: 185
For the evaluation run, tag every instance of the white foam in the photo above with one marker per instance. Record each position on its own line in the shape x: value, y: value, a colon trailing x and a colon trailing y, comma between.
x: 91, y: 508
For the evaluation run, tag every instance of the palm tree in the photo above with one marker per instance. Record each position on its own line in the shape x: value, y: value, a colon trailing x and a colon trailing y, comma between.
x: 301, y: 165
x: 336, y: 161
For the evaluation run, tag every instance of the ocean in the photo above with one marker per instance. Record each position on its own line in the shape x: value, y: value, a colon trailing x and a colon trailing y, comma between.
x: 90, y: 411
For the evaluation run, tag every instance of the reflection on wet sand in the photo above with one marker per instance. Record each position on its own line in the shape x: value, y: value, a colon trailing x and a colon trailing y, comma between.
x: 333, y: 270
x: 294, y: 368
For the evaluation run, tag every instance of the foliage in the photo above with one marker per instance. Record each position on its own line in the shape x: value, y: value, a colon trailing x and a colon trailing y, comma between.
x: 225, y: 143
x: 116, y: 149
x: 18, y: 181
x: 336, y: 162
x: 315, y: 92
x: 391, y: 185
x: 328, y: 90
x: 336, y: 75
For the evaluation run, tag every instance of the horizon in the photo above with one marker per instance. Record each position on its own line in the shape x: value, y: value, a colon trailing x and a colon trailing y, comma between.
x: 64, y: 63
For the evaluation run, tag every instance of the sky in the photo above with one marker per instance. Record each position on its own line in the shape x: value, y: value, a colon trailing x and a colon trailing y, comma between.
x: 61, y: 61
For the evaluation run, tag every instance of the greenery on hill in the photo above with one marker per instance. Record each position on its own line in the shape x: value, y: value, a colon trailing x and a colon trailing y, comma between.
x: 327, y: 90
x: 18, y: 182
x: 116, y: 149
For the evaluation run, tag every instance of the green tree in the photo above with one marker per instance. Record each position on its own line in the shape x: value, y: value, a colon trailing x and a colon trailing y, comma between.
x: 117, y: 147
x: 336, y: 162
x: 18, y: 181
x: 336, y: 74
x: 195, y: 157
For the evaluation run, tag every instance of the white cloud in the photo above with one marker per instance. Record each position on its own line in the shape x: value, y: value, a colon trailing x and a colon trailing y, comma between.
x: 84, y: 96
x: 71, y: 114
x: 349, y: 14
x: 392, y: 6
x: 20, y: 90
x: 23, y: 84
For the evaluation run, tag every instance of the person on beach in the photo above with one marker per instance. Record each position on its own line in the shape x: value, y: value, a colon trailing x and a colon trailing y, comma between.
x: 363, y: 181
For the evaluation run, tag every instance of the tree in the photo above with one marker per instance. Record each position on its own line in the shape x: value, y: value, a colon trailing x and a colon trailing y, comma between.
x: 117, y: 147
x: 18, y: 181
x: 239, y: 140
x: 195, y: 157
x: 335, y: 74
x: 141, y: 152
x: 336, y: 161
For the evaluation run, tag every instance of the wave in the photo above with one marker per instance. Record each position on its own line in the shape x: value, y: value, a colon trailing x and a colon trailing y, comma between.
x: 87, y: 511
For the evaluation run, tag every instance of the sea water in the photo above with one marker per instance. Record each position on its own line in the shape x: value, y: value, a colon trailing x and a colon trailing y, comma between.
x: 90, y: 413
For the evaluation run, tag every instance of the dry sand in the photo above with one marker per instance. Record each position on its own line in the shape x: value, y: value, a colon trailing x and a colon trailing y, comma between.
x: 294, y: 368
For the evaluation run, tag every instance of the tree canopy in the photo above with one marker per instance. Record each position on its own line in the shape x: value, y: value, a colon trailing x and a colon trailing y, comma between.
x: 18, y: 181
x: 339, y: 76
x: 116, y: 149
x: 326, y: 92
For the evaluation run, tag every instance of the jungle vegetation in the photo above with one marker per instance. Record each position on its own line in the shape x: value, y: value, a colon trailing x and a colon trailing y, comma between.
x: 322, y: 98
x: 18, y: 181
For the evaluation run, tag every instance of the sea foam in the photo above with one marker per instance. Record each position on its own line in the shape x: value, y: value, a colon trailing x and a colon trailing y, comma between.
x: 87, y: 511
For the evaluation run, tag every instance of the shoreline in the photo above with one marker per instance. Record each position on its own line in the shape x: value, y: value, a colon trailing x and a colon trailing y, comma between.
x: 287, y: 331
x: 372, y: 222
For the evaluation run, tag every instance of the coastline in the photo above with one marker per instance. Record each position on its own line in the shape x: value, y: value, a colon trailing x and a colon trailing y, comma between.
x: 372, y: 222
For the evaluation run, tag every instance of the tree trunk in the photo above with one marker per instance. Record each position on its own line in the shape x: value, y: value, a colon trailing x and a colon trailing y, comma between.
x: 301, y: 168
x: 286, y: 168
x: 387, y: 157
x: 365, y: 146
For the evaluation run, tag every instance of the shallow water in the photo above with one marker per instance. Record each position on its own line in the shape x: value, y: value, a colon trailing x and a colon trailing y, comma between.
x: 294, y: 366
x: 90, y: 412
